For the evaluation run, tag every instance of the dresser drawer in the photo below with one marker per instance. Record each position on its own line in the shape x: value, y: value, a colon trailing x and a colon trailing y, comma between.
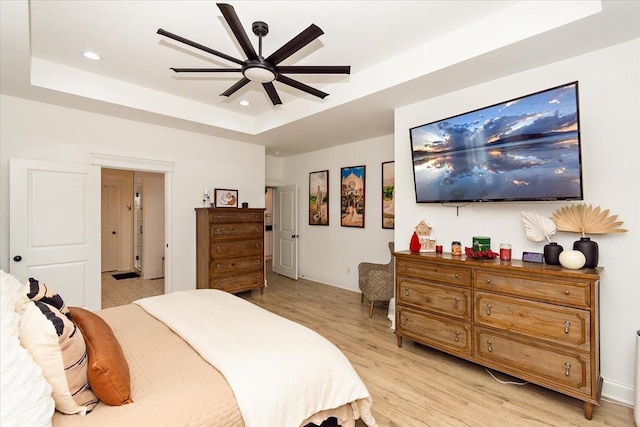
x: 557, y: 324
x: 236, y: 265
x: 434, y: 272
x: 546, y: 366
x: 235, y: 215
x: 236, y: 248
x: 442, y: 299
x: 557, y: 292
x: 445, y: 334
x: 237, y: 282
x: 225, y: 231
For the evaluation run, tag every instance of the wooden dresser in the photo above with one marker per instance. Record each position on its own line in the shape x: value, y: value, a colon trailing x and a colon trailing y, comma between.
x: 230, y: 249
x: 533, y: 321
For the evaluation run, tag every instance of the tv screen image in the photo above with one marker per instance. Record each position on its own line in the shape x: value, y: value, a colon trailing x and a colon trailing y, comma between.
x: 524, y: 149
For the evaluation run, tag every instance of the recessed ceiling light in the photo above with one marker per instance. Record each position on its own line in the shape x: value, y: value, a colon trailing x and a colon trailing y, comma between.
x: 92, y: 55
x: 245, y: 103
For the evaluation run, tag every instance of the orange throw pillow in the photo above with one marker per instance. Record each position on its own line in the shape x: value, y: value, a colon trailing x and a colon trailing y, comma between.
x: 108, y: 370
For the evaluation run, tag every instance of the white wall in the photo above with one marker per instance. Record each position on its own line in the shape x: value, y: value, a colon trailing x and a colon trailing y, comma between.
x: 39, y: 131
x: 609, y: 90
x: 330, y: 254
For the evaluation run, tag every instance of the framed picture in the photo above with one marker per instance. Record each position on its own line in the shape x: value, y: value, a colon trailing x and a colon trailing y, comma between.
x: 319, y: 198
x: 388, y: 205
x: 225, y: 198
x: 352, y: 196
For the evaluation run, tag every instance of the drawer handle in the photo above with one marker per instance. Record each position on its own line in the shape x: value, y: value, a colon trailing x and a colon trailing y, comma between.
x: 567, y: 292
x: 457, y: 338
x: 489, y: 346
x: 256, y: 245
x: 566, y: 326
x: 456, y: 276
x: 406, y: 291
x: 488, y: 309
x: 455, y: 303
x: 218, y: 285
x: 218, y: 267
x: 218, y: 231
x: 406, y: 268
x: 257, y: 262
x: 405, y: 320
x: 567, y: 368
x: 218, y: 249
x: 488, y: 281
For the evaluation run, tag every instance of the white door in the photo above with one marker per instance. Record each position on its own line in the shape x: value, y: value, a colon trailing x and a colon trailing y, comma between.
x: 285, y: 231
x: 153, y: 225
x: 110, y: 229
x: 52, y: 236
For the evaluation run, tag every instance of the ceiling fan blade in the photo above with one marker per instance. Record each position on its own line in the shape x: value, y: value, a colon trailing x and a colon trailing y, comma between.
x: 198, y: 46
x: 295, y: 44
x: 314, y: 69
x: 232, y: 19
x: 233, y: 89
x: 207, y: 70
x: 271, y: 91
x: 301, y: 86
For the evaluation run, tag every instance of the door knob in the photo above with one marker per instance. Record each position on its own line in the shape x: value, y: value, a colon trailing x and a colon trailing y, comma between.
x: 17, y: 258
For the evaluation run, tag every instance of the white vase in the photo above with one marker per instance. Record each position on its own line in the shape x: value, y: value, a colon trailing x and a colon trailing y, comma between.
x: 573, y: 260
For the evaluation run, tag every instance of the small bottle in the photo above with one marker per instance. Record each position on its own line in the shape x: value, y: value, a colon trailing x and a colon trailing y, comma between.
x: 505, y: 251
x: 456, y: 248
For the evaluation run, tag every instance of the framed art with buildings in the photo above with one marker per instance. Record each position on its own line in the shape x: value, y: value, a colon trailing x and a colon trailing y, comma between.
x: 225, y: 198
x: 319, y: 198
x: 352, y: 196
x: 388, y: 185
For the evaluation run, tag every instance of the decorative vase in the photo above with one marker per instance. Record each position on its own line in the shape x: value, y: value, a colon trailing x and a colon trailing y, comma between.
x: 590, y: 250
x: 414, y: 244
x: 552, y: 253
x: 573, y: 260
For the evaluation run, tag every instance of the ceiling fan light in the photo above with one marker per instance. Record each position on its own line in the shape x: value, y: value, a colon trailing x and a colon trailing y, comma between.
x: 259, y: 74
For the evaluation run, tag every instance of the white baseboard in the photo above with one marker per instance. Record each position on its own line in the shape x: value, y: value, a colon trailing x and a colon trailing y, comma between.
x: 618, y: 392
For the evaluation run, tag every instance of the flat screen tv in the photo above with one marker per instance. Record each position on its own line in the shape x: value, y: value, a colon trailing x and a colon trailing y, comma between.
x: 524, y: 149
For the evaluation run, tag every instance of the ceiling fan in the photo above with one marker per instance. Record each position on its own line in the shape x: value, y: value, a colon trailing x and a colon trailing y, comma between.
x: 256, y: 68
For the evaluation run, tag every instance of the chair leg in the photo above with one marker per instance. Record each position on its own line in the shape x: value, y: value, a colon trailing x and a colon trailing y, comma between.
x: 371, y: 309
x: 361, y: 298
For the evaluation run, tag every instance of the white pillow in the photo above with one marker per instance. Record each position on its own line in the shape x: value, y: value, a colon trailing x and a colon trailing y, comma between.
x: 26, y: 394
x: 12, y: 299
x: 58, y: 346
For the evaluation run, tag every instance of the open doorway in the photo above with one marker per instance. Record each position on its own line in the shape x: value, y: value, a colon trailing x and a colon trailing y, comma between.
x: 133, y: 235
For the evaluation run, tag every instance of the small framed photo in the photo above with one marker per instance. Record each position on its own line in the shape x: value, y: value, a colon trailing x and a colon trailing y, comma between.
x: 352, y: 196
x: 388, y: 184
x: 225, y: 198
x: 319, y: 198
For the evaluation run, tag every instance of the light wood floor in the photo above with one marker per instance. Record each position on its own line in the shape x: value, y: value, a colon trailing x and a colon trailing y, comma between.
x: 415, y: 385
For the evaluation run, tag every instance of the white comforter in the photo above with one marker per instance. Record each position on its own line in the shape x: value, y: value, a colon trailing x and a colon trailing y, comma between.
x: 280, y: 372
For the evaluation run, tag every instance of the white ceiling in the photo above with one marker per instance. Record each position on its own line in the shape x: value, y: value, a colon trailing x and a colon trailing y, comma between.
x: 400, y: 52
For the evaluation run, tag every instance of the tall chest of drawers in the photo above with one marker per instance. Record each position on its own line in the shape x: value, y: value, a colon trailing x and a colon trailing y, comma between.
x: 537, y: 322
x: 230, y: 249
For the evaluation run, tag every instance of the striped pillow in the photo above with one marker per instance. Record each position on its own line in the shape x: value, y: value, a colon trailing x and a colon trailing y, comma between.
x: 57, y: 345
x: 37, y: 291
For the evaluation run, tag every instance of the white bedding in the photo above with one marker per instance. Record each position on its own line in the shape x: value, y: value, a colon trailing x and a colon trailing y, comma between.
x: 280, y: 372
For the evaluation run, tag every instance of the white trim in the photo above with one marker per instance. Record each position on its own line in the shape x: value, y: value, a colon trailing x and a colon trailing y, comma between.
x: 133, y: 163
x: 618, y: 392
x: 148, y: 165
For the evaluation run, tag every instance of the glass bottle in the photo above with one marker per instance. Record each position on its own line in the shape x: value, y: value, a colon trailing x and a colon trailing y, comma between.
x: 456, y: 248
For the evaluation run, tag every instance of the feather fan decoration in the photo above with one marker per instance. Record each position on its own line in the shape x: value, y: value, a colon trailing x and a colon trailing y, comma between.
x: 537, y: 227
x: 586, y: 220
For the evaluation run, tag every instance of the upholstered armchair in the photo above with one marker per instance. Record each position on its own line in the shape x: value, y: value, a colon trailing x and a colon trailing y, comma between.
x: 376, y: 281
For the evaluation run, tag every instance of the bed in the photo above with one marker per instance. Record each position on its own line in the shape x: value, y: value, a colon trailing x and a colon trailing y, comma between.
x: 209, y: 358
